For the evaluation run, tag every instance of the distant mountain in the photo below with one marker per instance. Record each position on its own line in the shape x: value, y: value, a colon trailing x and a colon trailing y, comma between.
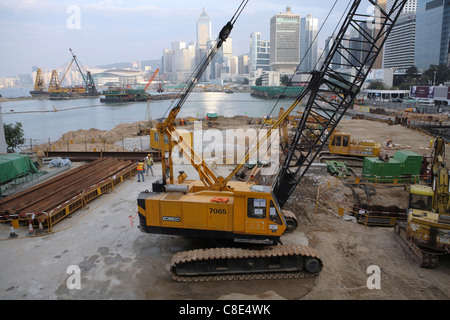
x: 155, y: 64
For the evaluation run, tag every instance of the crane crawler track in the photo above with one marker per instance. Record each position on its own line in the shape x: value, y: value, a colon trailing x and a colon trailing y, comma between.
x: 349, y: 160
x: 218, y: 264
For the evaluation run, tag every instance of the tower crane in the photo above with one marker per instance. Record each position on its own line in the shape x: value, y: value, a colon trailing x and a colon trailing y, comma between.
x: 215, y: 207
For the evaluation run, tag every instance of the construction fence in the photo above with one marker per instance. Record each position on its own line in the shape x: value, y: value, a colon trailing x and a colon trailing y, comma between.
x: 86, y: 143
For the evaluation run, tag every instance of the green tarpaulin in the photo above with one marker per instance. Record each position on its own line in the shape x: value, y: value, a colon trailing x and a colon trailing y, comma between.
x: 14, y: 165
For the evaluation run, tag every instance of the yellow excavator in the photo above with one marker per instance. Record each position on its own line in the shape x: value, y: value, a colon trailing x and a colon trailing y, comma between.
x: 427, y: 229
x: 246, y: 215
x: 343, y: 148
x: 341, y: 143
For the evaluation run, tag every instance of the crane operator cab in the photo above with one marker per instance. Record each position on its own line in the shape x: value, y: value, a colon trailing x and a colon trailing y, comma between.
x: 248, y: 213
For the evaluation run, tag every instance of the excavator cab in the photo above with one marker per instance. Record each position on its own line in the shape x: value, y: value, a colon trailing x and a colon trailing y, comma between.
x: 340, y: 143
x: 420, y: 198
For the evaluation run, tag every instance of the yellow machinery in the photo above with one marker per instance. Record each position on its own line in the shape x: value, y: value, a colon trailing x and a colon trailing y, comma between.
x: 343, y: 148
x: 54, y: 86
x: 155, y: 143
x: 341, y: 143
x: 39, y: 85
x: 427, y: 230
x: 216, y: 208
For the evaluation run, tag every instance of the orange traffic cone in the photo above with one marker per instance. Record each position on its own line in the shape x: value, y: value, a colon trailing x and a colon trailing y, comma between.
x: 30, y: 229
x: 12, y: 233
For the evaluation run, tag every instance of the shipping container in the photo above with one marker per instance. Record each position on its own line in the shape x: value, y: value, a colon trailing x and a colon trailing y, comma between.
x: 404, y: 166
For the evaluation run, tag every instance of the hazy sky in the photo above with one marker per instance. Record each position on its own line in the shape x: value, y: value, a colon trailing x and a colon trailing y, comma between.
x: 40, y: 32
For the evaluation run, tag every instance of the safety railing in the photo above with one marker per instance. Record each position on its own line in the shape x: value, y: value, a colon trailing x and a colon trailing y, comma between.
x: 49, y: 219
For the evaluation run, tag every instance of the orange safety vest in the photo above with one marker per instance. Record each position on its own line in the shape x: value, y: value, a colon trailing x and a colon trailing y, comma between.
x: 140, y: 166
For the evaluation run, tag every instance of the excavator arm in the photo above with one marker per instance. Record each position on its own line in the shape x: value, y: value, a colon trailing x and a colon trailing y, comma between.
x: 440, y: 179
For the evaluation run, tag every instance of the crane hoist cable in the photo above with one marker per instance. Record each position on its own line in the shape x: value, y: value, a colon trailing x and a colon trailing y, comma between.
x: 166, y: 124
x: 290, y: 80
x: 206, y: 60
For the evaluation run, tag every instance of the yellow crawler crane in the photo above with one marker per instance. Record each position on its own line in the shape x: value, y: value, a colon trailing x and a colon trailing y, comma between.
x: 214, y: 207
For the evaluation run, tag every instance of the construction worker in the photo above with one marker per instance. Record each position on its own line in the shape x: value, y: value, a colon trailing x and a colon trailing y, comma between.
x: 140, y: 170
x: 149, y: 162
x: 167, y: 164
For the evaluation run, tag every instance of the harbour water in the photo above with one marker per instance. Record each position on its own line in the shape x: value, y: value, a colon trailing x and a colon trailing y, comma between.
x: 49, y: 119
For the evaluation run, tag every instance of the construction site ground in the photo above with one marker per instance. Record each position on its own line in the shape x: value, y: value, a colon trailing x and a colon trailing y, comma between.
x: 117, y: 261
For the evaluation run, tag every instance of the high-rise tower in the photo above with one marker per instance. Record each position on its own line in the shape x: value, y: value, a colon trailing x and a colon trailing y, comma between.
x: 308, y: 43
x: 432, y: 33
x: 203, y: 29
x: 285, y: 41
x: 259, y: 54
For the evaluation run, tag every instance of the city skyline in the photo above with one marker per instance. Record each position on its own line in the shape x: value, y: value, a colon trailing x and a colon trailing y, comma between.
x: 105, y: 32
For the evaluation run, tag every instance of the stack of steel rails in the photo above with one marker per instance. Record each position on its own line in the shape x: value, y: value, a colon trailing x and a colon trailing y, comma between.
x: 54, y: 199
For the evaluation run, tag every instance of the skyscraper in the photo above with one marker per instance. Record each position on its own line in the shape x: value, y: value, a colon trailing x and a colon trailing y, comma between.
x: 285, y: 41
x: 410, y: 6
x: 308, y: 42
x: 259, y: 54
x: 432, y: 33
x: 203, y: 29
x: 378, y: 64
x: 399, y: 46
